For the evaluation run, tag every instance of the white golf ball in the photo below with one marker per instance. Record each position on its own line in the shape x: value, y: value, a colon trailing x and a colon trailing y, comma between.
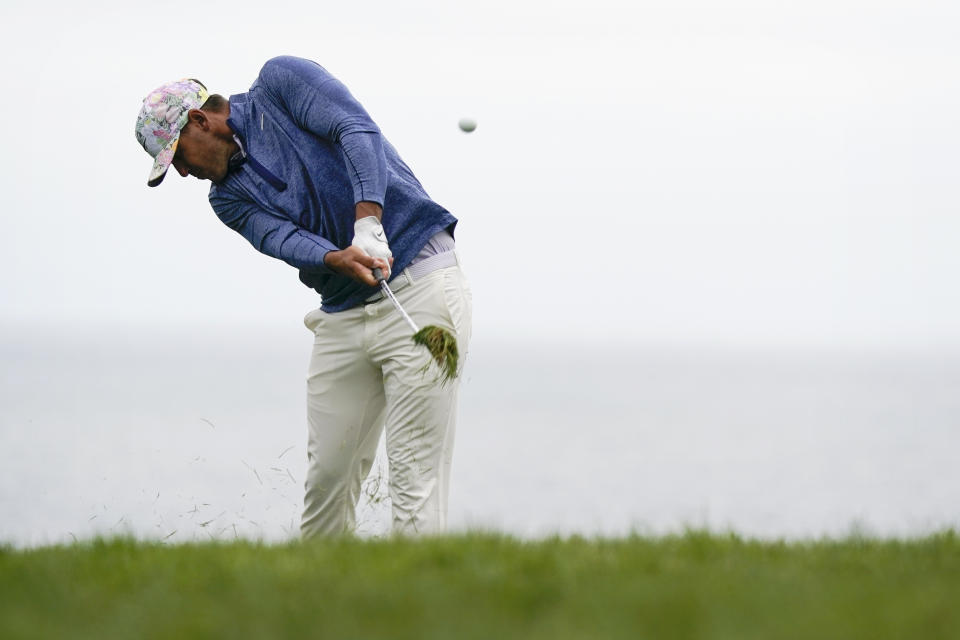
x: 467, y: 124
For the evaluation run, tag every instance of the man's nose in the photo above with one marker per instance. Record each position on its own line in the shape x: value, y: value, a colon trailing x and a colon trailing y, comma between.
x: 182, y: 170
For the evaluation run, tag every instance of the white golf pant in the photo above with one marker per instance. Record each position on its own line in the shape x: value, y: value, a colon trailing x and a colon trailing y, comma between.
x: 366, y: 375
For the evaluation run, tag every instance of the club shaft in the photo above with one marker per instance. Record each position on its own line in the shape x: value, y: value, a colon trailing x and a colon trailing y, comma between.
x: 396, y: 303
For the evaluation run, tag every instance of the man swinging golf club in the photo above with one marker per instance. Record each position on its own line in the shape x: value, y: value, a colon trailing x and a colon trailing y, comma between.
x: 300, y: 170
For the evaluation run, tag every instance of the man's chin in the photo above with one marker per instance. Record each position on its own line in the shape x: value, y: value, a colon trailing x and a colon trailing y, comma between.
x: 220, y: 178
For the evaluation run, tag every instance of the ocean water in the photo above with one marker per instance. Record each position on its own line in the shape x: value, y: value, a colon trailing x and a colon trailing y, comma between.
x: 182, y: 436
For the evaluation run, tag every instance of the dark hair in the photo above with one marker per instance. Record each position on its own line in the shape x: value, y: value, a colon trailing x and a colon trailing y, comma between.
x: 215, y: 103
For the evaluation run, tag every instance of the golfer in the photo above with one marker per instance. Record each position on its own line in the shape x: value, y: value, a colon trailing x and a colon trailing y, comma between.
x: 299, y: 169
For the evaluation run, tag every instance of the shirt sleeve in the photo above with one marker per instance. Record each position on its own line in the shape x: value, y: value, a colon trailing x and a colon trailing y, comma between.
x: 321, y: 104
x: 272, y: 234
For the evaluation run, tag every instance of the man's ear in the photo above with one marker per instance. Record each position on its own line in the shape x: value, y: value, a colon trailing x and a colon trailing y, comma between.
x: 199, y: 118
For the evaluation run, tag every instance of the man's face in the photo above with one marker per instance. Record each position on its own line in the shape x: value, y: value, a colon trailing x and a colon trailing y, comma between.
x: 201, y: 154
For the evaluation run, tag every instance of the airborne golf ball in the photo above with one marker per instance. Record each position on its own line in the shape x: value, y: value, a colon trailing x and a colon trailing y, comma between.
x: 467, y: 124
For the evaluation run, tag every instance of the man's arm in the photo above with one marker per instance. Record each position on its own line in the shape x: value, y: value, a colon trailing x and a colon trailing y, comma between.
x: 357, y: 261
x: 321, y: 104
x: 273, y: 234
x: 365, y: 209
x: 278, y: 237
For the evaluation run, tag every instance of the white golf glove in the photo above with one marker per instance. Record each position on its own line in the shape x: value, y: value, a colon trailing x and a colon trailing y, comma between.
x: 369, y: 237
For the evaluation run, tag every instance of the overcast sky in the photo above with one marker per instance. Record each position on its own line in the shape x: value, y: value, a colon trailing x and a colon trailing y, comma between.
x: 692, y: 172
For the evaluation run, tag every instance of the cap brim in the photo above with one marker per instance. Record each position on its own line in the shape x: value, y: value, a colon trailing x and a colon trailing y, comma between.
x: 161, y: 163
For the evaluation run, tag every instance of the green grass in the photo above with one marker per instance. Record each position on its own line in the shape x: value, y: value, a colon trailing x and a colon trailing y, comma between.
x: 695, y: 585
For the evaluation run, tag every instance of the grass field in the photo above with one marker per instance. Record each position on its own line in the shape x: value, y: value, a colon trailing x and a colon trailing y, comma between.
x: 695, y: 585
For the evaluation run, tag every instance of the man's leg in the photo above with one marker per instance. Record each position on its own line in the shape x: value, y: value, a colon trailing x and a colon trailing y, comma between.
x: 345, y: 408
x: 421, y: 412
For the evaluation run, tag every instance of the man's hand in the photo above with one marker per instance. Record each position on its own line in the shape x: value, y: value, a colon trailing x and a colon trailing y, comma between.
x: 355, y: 263
x: 368, y: 236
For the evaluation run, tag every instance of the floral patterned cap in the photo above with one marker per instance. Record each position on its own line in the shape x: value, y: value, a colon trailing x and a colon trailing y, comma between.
x: 163, y: 115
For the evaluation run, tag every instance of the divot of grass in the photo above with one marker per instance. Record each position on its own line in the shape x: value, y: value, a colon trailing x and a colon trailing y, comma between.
x: 443, y: 349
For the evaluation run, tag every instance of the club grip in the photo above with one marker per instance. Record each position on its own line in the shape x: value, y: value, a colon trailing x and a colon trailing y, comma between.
x: 378, y: 274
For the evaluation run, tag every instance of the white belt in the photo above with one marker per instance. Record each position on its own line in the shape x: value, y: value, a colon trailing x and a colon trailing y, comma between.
x: 416, y: 271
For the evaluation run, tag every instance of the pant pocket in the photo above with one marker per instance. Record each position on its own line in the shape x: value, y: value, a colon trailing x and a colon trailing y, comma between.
x: 459, y: 301
x: 313, y: 319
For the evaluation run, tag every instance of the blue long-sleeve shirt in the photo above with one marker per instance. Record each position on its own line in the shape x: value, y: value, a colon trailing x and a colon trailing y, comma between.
x: 313, y: 154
